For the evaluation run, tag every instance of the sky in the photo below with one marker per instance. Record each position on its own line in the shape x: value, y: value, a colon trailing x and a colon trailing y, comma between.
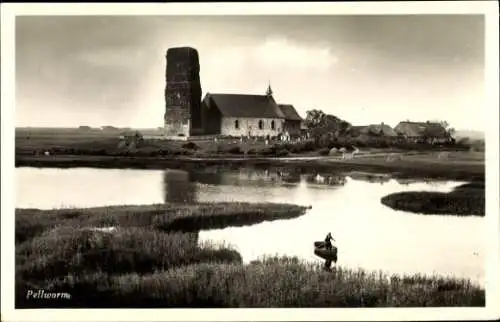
x: 366, y: 69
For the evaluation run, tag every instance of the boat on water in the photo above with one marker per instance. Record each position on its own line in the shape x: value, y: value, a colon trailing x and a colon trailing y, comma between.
x: 320, y: 250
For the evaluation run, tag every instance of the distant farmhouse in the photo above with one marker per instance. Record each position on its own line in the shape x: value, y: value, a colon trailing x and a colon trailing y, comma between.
x: 374, y: 130
x: 423, y: 132
x: 412, y: 132
x: 186, y: 114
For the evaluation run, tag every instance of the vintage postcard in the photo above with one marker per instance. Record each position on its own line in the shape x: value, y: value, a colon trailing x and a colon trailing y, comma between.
x: 250, y: 161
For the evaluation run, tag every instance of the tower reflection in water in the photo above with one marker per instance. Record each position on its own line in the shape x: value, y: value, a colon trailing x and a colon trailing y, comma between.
x: 178, y: 187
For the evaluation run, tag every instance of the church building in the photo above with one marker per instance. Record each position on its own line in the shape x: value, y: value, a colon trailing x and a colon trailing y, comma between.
x: 246, y: 115
x: 221, y: 114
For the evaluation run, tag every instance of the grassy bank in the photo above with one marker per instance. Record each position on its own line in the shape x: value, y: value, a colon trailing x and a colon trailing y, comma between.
x: 411, y: 166
x: 105, y: 143
x: 140, y: 264
x: 275, y: 282
x: 166, y: 217
x: 465, y: 200
x: 77, y: 148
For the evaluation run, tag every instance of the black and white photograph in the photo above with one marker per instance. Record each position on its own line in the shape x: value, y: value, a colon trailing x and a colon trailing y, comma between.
x: 249, y: 156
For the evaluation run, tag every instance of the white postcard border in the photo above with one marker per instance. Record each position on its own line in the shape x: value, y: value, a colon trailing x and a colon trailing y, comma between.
x: 492, y: 281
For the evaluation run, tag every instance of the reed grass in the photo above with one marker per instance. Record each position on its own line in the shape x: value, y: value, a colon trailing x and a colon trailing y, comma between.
x: 68, y: 250
x: 280, y: 282
x: 169, y: 217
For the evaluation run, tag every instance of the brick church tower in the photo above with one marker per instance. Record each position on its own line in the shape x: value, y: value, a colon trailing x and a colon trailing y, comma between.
x: 182, y: 93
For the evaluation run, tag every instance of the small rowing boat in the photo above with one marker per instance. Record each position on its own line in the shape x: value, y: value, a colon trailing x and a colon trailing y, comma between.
x: 320, y: 250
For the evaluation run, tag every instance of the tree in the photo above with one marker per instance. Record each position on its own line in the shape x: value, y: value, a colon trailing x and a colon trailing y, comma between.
x: 314, y: 118
x: 450, y: 130
x: 324, y: 126
x: 444, y: 124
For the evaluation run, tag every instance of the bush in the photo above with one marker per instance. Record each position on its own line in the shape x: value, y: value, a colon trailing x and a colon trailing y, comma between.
x: 324, y: 151
x: 268, y: 151
x: 274, y: 150
x: 235, y: 150
x: 300, y: 147
x: 182, y: 152
x: 282, y: 153
x: 190, y: 146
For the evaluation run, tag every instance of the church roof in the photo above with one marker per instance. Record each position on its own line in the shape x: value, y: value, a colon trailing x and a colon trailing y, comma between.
x: 243, y: 105
x: 290, y: 112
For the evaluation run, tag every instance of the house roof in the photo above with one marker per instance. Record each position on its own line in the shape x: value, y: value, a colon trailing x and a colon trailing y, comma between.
x: 382, y: 129
x: 377, y: 129
x: 431, y: 129
x: 242, y: 105
x: 290, y: 112
x: 357, y: 129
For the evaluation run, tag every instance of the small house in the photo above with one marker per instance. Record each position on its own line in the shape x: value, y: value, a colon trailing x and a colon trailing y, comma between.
x: 379, y: 130
x: 423, y: 132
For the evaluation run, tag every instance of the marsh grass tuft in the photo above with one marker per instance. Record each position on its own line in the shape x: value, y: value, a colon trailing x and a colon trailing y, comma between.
x: 465, y: 200
x: 169, y: 217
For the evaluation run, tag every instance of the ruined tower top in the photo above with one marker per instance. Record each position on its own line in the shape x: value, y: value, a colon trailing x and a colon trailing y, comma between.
x: 182, y: 60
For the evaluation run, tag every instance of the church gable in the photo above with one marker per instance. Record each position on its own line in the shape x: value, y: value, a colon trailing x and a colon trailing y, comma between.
x: 290, y: 112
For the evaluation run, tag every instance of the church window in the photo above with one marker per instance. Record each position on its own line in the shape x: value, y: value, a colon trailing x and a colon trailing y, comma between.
x: 261, y: 124
x: 236, y: 124
x: 272, y: 125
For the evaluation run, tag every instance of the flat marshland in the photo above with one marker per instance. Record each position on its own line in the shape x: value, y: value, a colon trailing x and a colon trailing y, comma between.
x: 101, y: 149
x: 151, y: 257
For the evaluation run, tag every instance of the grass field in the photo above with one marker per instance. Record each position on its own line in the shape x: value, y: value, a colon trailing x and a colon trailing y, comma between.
x: 465, y: 200
x: 140, y: 264
x: 107, y: 143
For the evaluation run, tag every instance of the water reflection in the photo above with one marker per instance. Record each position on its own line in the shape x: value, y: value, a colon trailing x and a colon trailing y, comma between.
x: 370, y: 177
x: 178, y: 187
x: 271, y: 176
x: 407, y: 182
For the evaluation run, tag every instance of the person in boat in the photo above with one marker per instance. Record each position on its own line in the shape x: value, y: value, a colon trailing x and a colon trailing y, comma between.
x: 329, y: 246
x: 328, y: 241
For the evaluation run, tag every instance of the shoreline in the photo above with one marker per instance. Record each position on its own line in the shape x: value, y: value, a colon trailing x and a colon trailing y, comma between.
x: 434, y: 169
